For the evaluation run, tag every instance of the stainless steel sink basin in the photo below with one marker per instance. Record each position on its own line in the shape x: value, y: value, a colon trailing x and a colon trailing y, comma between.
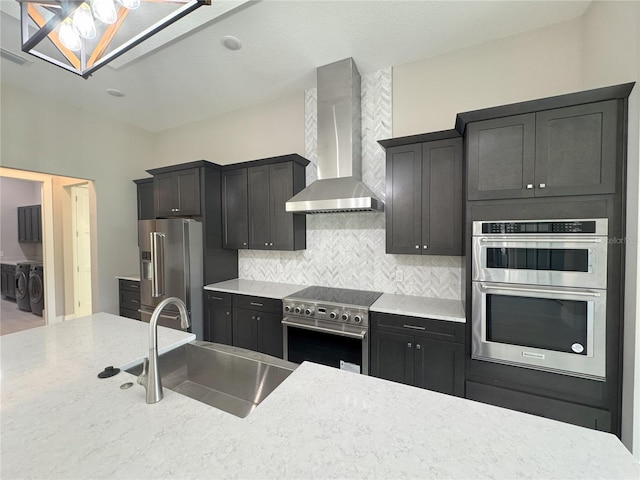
x: 229, y: 378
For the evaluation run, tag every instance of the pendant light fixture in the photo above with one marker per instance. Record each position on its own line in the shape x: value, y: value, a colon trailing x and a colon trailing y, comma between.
x: 84, y: 35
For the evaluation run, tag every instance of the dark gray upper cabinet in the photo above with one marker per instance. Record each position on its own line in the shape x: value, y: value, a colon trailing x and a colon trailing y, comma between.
x: 144, y: 189
x: 30, y: 224
x: 254, y: 198
x: 234, y: 208
x: 556, y: 152
x: 576, y: 150
x: 424, y: 198
x: 177, y: 193
x: 501, y: 155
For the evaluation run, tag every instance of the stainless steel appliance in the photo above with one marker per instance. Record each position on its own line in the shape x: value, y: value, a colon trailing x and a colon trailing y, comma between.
x: 171, y: 266
x: 539, y: 294
x: 329, y: 326
x: 23, y: 301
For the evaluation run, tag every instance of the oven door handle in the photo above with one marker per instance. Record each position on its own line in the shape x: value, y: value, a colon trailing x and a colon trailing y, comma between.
x: 315, y: 328
x: 581, y: 293
x: 541, y: 240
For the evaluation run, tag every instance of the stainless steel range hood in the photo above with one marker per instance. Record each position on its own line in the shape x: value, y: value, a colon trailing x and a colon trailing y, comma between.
x: 339, y: 187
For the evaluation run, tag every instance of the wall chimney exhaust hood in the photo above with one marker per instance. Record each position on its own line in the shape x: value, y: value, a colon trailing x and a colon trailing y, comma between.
x: 339, y: 187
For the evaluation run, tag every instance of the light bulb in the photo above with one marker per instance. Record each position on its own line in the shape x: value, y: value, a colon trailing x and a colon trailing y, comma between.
x: 105, y: 11
x: 69, y: 37
x: 83, y: 22
x: 130, y: 4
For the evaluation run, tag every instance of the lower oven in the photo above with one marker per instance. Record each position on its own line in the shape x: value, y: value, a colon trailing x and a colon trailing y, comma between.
x: 556, y: 329
x: 337, y: 345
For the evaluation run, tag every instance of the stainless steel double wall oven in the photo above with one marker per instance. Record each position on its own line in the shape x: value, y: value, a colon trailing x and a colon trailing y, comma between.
x: 539, y: 294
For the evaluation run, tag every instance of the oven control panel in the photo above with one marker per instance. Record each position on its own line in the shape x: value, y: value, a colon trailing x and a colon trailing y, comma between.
x: 332, y: 313
x: 547, y: 227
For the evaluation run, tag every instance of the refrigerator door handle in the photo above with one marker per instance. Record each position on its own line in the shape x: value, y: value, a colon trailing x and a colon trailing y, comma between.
x: 157, y: 264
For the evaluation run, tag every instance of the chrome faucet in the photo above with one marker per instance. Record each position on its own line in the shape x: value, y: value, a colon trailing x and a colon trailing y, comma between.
x: 150, y: 376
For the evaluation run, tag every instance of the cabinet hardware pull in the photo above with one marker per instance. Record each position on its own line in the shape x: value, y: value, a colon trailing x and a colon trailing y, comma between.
x: 529, y: 186
x: 425, y: 246
x: 256, y: 304
x: 253, y: 317
x: 266, y: 244
x: 415, y: 327
x: 228, y: 313
x: 543, y: 185
x: 271, y: 244
x: 244, y: 243
x: 417, y: 346
x: 258, y: 319
x: 215, y: 298
x: 409, y: 344
x: 418, y: 246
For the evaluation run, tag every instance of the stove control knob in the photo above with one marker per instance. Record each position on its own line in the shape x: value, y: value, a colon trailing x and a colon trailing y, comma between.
x: 333, y: 315
x: 288, y: 308
x: 298, y: 310
x: 357, y: 319
x: 344, y: 317
x: 309, y: 311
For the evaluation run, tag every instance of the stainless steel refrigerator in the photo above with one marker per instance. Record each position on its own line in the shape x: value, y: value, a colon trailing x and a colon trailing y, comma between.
x: 171, y: 266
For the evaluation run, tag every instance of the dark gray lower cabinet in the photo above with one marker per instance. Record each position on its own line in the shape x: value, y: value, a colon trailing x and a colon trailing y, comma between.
x: 129, y: 299
x: 8, y: 281
x: 218, y: 321
x: 416, y: 351
x: 583, y: 415
x: 254, y: 323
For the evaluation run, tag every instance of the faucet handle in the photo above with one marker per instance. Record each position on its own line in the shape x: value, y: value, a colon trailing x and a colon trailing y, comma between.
x: 145, y: 371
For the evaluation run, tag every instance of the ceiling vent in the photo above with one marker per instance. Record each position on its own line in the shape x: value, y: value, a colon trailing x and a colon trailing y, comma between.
x: 12, y: 57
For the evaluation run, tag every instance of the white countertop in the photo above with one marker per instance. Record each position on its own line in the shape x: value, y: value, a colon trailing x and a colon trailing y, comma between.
x: 60, y: 421
x: 256, y: 288
x: 425, y: 307
x: 134, y: 277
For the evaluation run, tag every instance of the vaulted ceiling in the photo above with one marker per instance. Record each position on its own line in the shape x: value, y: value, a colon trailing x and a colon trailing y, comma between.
x: 186, y: 74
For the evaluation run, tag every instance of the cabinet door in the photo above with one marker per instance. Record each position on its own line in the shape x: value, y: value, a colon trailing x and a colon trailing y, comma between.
x: 22, y: 224
x: 145, y: 201
x: 36, y: 224
x: 281, y: 221
x: 403, y: 208
x: 258, y: 195
x: 392, y: 357
x: 500, y: 157
x: 166, y: 194
x: 188, y: 184
x: 270, y: 334
x: 576, y: 150
x: 245, y: 329
x: 442, y: 197
x: 218, y: 325
x: 235, y: 209
x: 4, y: 283
x: 439, y: 366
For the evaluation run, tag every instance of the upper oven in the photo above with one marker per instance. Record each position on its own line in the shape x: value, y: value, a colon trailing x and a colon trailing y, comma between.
x: 568, y: 253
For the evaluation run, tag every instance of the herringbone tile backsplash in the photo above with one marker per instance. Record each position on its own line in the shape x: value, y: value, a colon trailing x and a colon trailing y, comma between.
x: 347, y: 250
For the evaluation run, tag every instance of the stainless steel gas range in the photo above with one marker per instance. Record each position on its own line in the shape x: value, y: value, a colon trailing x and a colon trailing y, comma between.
x: 329, y: 326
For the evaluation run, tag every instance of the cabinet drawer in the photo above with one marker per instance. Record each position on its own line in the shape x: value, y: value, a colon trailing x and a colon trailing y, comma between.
x: 421, y: 327
x: 574, y: 413
x: 258, y: 303
x: 219, y: 298
x: 129, y: 299
x: 131, y: 285
x: 126, y: 312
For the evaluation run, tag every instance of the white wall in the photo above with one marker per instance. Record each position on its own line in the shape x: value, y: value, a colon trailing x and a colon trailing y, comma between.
x: 260, y: 131
x: 611, y: 39
x: 44, y: 136
x: 16, y: 193
x: 429, y: 93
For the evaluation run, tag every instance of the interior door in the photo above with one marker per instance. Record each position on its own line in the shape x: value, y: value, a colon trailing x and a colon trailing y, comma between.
x: 81, y: 220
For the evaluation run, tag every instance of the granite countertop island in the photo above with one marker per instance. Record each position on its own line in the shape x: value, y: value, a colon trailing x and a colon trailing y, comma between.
x: 60, y: 421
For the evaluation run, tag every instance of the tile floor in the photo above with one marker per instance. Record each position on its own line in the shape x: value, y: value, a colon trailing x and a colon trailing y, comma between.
x: 14, y: 320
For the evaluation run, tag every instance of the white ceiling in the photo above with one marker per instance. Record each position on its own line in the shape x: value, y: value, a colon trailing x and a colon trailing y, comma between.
x: 192, y: 76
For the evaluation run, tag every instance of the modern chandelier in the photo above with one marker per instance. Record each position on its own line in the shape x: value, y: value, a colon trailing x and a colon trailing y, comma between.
x: 84, y: 35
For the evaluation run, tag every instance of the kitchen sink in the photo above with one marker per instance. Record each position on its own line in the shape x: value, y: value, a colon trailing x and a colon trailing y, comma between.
x: 231, y: 379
